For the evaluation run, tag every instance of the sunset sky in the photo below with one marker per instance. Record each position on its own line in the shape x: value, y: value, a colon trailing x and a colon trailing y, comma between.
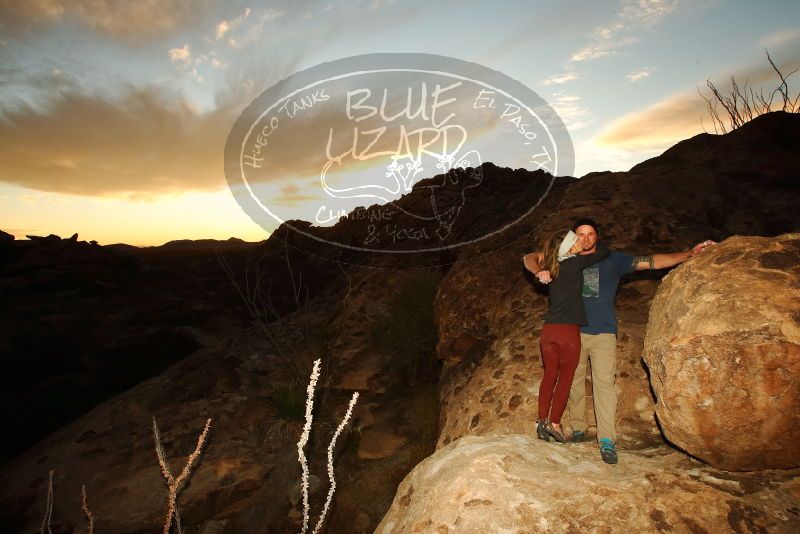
x: 114, y: 114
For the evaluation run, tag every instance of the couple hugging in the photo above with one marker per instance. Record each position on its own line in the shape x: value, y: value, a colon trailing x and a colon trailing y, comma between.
x: 580, y: 325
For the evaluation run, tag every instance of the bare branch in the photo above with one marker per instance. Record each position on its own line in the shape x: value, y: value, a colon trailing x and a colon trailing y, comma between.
x: 742, y: 104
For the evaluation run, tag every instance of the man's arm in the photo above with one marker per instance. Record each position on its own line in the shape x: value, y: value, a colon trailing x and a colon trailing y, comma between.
x: 586, y: 260
x: 663, y: 261
x: 533, y: 261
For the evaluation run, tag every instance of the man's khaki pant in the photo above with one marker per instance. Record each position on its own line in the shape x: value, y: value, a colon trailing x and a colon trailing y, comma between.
x: 602, y: 350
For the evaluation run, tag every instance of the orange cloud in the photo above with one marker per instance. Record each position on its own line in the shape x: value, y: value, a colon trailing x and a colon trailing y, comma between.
x: 133, y: 21
x: 685, y: 114
x: 146, y: 143
x: 141, y: 144
x: 656, y: 127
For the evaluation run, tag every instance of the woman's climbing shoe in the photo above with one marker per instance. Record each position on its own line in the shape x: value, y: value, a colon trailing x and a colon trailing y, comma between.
x: 541, y: 431
x: 556, y: 434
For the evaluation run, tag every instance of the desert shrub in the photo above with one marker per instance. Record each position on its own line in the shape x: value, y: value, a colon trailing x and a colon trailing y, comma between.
x: 741, y: 104
x: 288, y: 403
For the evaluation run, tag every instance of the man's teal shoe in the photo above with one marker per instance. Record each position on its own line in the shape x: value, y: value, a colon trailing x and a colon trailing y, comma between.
x: 608, y: 451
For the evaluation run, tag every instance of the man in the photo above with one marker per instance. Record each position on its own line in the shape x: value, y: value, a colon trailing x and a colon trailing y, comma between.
x: 599, y: 336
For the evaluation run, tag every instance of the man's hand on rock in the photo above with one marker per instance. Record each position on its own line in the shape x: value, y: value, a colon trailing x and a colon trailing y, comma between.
x: 544, y: 277
x: 700, y: 247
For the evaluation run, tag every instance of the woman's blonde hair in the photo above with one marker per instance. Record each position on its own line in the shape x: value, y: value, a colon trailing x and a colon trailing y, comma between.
x: 550, y: 252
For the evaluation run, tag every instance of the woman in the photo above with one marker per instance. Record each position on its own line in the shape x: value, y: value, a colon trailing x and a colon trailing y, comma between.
x: 560, y: 340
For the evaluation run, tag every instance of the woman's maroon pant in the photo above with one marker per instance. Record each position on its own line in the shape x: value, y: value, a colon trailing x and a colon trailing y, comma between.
x: 561, y: 348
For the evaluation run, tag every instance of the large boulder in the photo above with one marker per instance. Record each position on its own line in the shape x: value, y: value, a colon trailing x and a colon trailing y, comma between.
x: 514, y: 483
x: 723, y: 348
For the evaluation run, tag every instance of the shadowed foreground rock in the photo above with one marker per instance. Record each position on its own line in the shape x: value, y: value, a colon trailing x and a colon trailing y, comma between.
x: 723, y: 347
x: 518, y: 484
x: 247, y: 478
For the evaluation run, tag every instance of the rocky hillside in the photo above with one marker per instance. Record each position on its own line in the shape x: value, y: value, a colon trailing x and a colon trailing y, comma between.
x: 84, y: 322
x: 447, y: 360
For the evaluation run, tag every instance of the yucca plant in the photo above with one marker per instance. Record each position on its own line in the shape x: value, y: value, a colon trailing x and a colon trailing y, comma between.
x: 288, y: 404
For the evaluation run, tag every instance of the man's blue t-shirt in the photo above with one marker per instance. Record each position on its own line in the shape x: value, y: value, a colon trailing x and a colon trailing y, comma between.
x: 600, y: 283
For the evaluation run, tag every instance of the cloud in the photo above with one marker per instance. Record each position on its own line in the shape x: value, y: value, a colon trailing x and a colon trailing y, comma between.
x: 685, y: 114
x: 180, y: 55
x: 29, y: 198
x: 224, y: 26
x: 327, y: 8
x: 591, y: 157
x: 49, y: 78
x: 647, y: 13
x: 252, y: 33
x: 634, y: 15
x: 34, y: 11
x: 600, y: 49
x: 780, y: 38
x: 145, y: 143
x: 291, y: 195
x: 194, y: 73
x: 569, y: 108
x: 137, y: 145
x: 182, y: 58
x: 561, y: 78
x: 125, y: 20
x: 639, y: 74
x: 377, y: 4
x: 656, y: 127
x: 32, y: 199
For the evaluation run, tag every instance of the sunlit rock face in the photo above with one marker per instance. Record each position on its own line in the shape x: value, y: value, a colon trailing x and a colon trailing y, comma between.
x: 514, y: 483
x: 723, y: 347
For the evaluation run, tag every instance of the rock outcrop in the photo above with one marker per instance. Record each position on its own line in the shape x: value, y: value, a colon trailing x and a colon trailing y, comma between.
x: 488, y: 312
x: 518, y: 484
x: 489, y: 473
x: 723, y: 347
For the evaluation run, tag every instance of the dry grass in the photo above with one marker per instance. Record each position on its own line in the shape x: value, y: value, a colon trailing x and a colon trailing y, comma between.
x: 48, y: 508
x: 87, y: 513
x: 174, y: 484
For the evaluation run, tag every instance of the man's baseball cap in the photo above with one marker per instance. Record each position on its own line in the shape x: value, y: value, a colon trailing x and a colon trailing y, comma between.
x: 586, y: 220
